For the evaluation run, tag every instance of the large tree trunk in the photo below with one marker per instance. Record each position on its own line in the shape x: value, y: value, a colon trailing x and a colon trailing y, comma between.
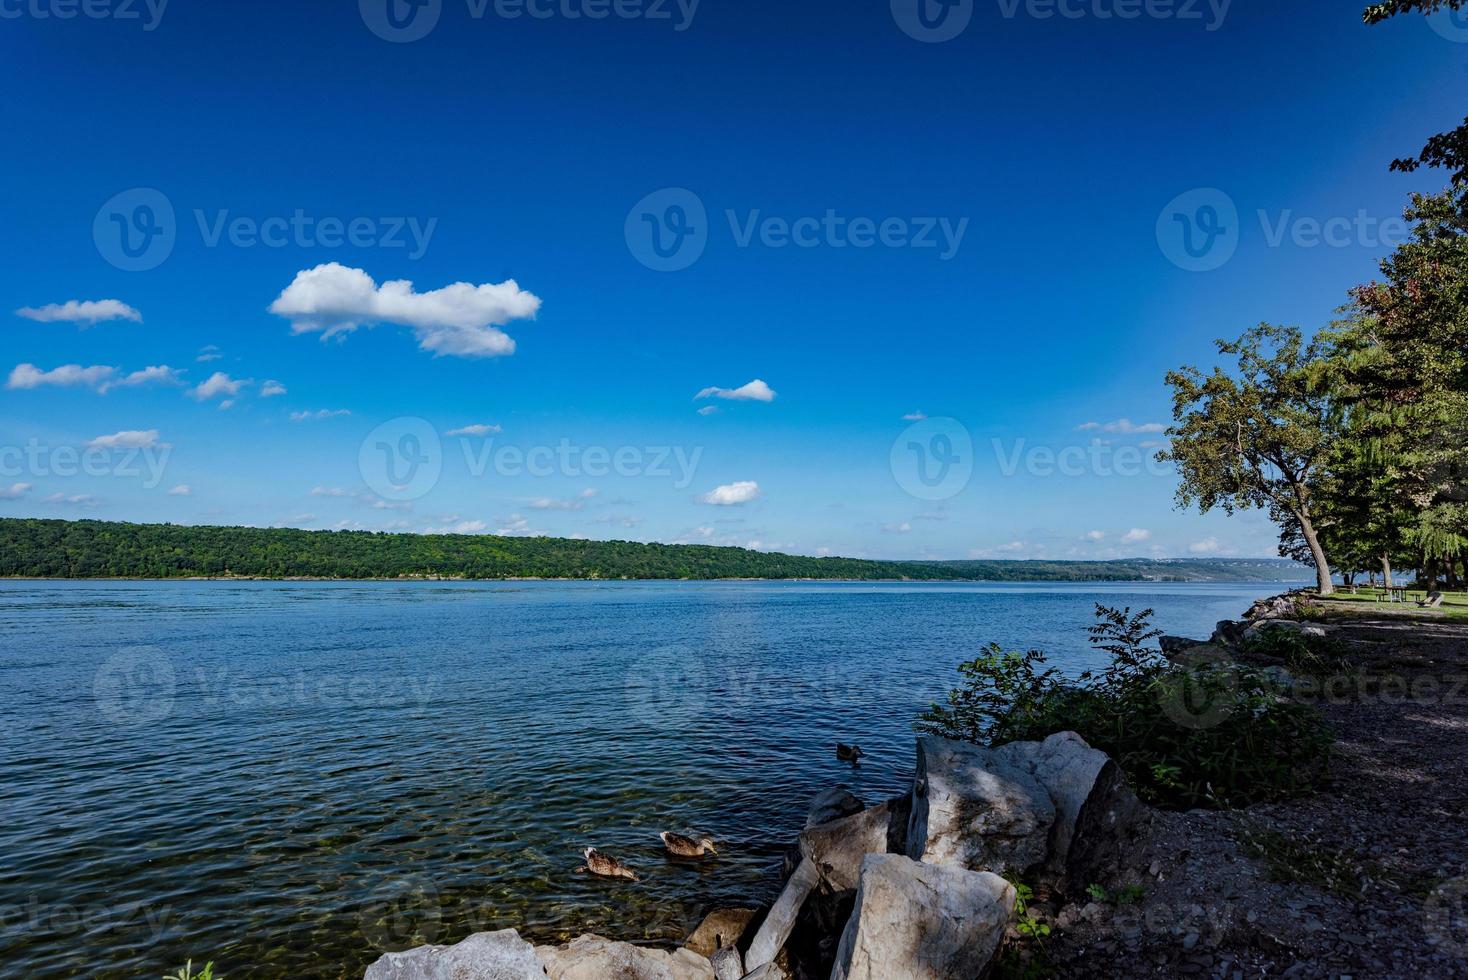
x: 1386, y: 570
x: 1323, y: 584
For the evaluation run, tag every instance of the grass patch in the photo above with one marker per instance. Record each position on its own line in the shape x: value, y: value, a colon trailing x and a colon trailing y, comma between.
x: 1308, y: 860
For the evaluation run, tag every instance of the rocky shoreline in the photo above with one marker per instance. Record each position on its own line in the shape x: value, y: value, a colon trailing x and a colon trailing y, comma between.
x: 1363, y: 879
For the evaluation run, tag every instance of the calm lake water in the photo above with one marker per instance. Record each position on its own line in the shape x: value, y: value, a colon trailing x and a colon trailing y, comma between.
x: 290, y: 778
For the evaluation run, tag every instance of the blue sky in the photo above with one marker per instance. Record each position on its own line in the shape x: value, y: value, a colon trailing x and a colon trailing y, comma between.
x: 875, y: 223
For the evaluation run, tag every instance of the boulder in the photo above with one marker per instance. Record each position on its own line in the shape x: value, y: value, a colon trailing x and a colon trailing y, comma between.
x: 727, y: 964
x: 595, y: 958
x: 1203, y: 653
x: 832, y: 804
x: 1267, y: 625
x: 837, y: 848
x: 720, y: 928
x: 1057, y: 807
x: 923, y: 922
x: 767, y: 972
x: 780, y: 920
x: 975, y: 808
x: 499, y: 955
x: 1176, y: 644
x: 1228, y: 632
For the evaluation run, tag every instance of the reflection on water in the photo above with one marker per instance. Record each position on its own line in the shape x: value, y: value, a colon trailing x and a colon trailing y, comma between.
x: 289, y: 778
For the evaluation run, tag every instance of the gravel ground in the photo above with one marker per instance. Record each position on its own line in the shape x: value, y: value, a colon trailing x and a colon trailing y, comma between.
x: 1366, y: 879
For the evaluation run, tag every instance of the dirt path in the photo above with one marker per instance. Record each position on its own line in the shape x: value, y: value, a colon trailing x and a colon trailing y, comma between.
x: 1367, y: 879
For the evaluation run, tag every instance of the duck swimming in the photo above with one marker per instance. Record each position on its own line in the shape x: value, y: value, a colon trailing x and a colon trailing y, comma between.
x: 686, y: 846
x: 849, y: 753
x: 605, y: 865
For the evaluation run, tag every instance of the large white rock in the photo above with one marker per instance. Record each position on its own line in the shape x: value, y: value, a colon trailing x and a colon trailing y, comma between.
x: 837, y: 848
x: 975, y: 808
x: 595, y: 958
x: 499, y: 955
x: 917, y: 921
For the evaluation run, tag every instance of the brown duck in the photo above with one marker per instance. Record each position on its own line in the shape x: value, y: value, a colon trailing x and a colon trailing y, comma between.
x: 849, y: 753
x: 687, y: 847
x: 605, y: 865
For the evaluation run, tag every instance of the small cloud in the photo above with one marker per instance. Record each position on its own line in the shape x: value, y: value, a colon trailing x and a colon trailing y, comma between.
x: 182, y: 490
x: 709, y: 410
x: 331, y: 492
x: 160, y: 374
x: 754, y: 391
x: 217, y: 384
x: 302, y: 519
x: 84, y: 312
x: 902, y: 528
x: 1208, y: 546
x: 128, y: 439
x: 208, y: 353
x: 477, y: 429
x: 1136, y: 536
x: 914, y: 416
x: 271, y: 388
x: 731, y: 494
x: 15, y: 491
x: 325, y: 413
x: 1095, y: 535
x: 27, y: 376
x: 459, y: 320
x: 75, y: 500
x: 1123, y: 426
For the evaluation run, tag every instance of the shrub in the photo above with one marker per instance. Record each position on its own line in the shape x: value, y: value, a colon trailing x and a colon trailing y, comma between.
x: 1212, y: 734
x: 1314, y: 656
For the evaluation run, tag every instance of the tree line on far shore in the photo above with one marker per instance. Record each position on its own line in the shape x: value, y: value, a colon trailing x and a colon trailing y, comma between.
x: 1356, y: 439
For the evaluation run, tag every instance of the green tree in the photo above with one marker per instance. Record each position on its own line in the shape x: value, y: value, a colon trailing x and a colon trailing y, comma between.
x: 1448, y: 150
x: 1256, y: 438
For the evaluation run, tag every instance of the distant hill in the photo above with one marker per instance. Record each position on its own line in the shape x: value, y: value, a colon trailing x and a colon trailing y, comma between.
x: 103, y: 549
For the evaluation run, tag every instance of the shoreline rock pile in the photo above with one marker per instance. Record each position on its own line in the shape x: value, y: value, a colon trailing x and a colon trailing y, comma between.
x: 914, y: 888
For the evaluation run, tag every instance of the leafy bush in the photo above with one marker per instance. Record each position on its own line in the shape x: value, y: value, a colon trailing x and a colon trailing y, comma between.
x: 1315, y: 656
x: 1210, y: 734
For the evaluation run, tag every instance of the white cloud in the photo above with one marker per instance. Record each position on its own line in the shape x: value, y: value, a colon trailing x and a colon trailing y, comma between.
x: 902, y: 528
x: 208, y: 353
x: 1123, y: 426
x: 128, y: 439
x: 325, y: 413
x: 159, y: 374
x: 459, y: 320
x: 217, y: 384
x: 477, y: 429
x: 15, y: 491
x: 574, y: 503
x: 85, y: 312
x: 25, y: 376
x: 708, y: 410
x: 1095, y: 535
x: 914, y: 416
x: 754, y: 391
x: 182, y: 490
x: 731, y: 494
x: 330, y: 492
x: 1136, y: 536
x: 75, y: 500
x: 1208, y: 546
x: 271, y: 388
x: 1011, y: 547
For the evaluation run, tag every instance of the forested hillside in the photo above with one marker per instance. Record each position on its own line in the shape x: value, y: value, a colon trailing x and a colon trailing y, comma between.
x: 98, y: 549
